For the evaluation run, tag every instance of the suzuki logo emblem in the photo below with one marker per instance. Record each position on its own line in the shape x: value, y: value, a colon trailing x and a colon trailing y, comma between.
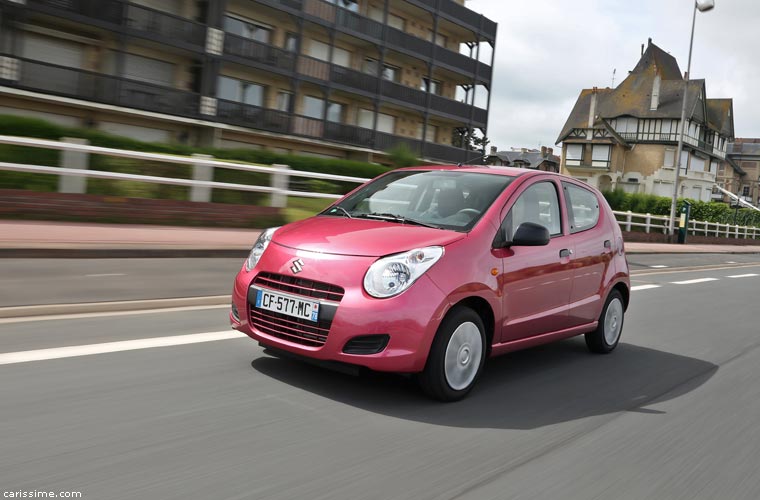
x: 297, y: 266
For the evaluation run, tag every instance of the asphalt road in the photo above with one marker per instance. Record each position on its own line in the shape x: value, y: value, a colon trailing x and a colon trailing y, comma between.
x: 674, y: 413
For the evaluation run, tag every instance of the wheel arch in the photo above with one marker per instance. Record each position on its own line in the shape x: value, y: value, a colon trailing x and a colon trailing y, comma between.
x: 483, y: 309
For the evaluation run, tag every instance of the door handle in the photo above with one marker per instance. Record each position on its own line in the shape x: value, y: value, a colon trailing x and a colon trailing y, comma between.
x: 607, y: 244
x: 565, y: 252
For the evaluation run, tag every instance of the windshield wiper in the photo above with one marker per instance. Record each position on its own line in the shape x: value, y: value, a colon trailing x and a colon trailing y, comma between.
x: 397, y: 218
x: 341, y: 209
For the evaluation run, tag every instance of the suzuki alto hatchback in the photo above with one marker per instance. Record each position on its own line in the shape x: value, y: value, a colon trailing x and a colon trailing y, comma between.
x: 431, y: 270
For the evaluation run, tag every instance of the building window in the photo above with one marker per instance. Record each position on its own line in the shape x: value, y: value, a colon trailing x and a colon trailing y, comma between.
x: 390, y: 73
x: 283, y: 100
x: 335, y: 112
x: 247, y: 29
x: 291, y: 42
x: 574, y: 154
x: 600, y: 155
x: 232, y: 89
x: 440, y: 39
x: 431, y: 133
x: 433, y: 86
x: 745, y: 191
x: 385, y: 123
x: 394, y: 21
x: 351, y: 5
x: 313, y: 107
x: 670, y: 157
x: 320, y: 50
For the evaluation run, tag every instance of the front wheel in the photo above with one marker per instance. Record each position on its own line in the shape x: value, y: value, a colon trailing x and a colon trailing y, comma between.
x: 456, y: 357
x: 607, y: 334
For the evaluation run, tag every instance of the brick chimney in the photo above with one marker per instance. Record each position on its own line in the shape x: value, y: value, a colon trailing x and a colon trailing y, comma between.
x: 543, y: 151
x: 549, y: 151
x: 493, y: 150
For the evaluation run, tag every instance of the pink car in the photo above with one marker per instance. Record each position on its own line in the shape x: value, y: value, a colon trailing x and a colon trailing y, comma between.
x: 430, y: 270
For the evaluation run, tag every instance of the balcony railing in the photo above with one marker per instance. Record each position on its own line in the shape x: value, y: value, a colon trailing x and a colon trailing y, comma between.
x: 359, y: 24
x: 446, y: 153
x: 110, y: 11
x: 91, y: 86
x: 353, y: 79
x: 460, y: 110
x: 349, y: 134
x: 251, y: 116
x: 264, y: 54
x: 403, y: 93
x: 166, y: 26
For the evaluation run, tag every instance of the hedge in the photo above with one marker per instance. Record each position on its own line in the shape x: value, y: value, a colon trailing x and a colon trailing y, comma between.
x: 700, y: 210
x: 33, y: 127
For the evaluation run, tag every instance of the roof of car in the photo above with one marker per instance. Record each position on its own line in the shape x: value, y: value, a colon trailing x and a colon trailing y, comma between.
x: 481, y: 169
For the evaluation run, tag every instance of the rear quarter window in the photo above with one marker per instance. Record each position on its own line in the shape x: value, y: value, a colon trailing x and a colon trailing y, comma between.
x: 582, y: 207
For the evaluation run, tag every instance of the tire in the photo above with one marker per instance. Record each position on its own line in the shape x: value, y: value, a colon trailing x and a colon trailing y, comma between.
x: 605, y: 338
x: 456, y: 357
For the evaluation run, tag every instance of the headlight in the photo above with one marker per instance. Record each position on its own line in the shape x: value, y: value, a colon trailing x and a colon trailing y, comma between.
x: 258, y: 248
x: 392, y: 275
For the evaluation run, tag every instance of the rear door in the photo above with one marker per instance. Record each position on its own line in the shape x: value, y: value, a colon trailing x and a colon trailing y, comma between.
x: 535, y: 281
x: 593, y: 251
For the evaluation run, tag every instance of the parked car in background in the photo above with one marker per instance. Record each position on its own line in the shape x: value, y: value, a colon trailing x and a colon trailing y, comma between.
x: 431, y: 270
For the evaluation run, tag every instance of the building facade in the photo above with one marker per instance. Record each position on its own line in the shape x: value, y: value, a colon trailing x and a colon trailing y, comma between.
x: 627, y: 137
x: 740, y: 172
x: 339, y: 78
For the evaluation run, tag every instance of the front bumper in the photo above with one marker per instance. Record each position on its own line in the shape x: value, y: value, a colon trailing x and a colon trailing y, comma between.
x: 410, y: 320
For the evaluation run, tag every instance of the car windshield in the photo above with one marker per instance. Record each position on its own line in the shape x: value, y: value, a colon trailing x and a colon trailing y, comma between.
x: 442, y: 199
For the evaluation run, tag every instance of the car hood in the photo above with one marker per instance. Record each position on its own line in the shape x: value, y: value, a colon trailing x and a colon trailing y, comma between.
x: 360, y: 237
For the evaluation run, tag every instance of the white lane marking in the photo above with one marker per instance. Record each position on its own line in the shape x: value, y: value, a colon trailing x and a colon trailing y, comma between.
x: 692, y: 282
x: 10, y: 358
x: 643, y: 287
x: 658, y: 266
x: 730, y: 262
x: 28, y: 319
x: 742, y: 275
x: 105, y: 274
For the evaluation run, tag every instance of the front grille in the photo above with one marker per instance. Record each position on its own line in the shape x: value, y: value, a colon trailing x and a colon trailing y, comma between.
x: 366, y: 344
x: 300, y: 286
x: 297, y: 330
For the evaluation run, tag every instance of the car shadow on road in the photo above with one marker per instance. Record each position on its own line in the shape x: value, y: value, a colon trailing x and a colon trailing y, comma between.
x: 523, y: 390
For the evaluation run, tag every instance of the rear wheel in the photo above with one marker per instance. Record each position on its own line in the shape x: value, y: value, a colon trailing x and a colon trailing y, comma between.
x: 456, y: 357
x: 607, y: 334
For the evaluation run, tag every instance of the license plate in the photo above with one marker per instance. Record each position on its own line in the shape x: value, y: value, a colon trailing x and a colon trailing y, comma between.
x: 287, y: 304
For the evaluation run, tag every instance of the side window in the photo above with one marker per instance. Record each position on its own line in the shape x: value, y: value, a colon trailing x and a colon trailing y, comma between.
x: 540, y: 204
x: 582, y: 207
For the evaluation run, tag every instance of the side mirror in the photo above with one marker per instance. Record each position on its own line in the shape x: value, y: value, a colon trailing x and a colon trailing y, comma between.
x: 530, y: 234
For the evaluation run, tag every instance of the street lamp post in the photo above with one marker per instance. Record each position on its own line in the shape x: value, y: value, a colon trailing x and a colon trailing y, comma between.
x: 702, y: 6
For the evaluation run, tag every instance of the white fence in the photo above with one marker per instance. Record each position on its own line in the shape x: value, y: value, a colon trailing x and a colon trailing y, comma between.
x: 659, y: 223
x: 76, y: 165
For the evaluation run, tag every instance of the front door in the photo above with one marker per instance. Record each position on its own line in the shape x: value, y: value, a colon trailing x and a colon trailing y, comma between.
x: 535, y: 281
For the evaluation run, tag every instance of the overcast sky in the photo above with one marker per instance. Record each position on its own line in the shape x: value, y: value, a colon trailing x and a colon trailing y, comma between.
x: 548, y: 50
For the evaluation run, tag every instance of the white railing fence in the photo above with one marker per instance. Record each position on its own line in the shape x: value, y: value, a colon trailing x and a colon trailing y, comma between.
x: 659, y: 223
x: 75, y: 164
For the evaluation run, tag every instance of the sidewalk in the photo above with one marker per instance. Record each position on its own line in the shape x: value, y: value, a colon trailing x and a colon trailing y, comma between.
x: 66, y: 239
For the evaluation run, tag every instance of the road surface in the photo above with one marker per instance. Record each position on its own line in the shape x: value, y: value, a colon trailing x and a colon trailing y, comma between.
x: 674, y: 413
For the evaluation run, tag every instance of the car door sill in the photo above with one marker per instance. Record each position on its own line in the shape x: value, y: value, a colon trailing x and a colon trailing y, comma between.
x: 545, y: 338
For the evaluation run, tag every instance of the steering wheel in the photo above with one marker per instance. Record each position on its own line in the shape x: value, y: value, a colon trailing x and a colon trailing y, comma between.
x: 474, y: 212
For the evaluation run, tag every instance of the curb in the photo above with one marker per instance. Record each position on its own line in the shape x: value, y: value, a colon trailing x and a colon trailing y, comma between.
x: 106, y: 307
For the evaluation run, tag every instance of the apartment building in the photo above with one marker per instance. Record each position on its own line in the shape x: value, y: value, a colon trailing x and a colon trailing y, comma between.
x: 334, y: 78
x: 627, y: 137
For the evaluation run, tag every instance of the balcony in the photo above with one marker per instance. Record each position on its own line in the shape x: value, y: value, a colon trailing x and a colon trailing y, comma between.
x: 404, y: 94
x: 459, y: 14
x: 457, y: 110
x: 79, y: 84
x: 136, y: 19
x: 251, y: 52
x: 107, y: 11
x: 247, y: 115
x: 450, y: 154
x: 165, y: 28
x: 353, y: 80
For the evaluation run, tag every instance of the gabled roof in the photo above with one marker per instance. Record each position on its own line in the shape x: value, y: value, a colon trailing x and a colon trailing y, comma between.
x: 633, y: 97
x: 532, y: 158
